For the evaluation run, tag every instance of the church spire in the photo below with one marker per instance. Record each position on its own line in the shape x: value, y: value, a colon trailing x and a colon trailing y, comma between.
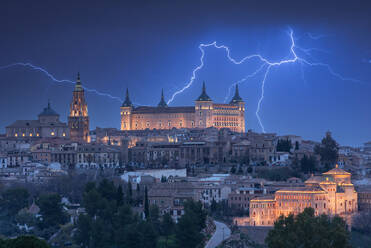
x: 78, y: 86
x: 127, y: 102
x: 162, y: 103
x: 203, y: 96
x: 236, y: 98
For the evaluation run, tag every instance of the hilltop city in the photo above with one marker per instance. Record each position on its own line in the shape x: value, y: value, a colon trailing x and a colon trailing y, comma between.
x: 165, y: 162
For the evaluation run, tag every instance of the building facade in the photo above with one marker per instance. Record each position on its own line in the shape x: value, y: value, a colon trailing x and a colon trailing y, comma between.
x: 47, y: 125
x: 332, y: 193
x: 204, y: 114
x: 78, y: 119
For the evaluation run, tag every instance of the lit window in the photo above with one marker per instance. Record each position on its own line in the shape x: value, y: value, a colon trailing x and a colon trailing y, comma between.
x: 23, y: 134
x: 64, y: 135
x: 30, y: 134
x: 16, y: 135
x: 37, y: 135
x: 52, y: 133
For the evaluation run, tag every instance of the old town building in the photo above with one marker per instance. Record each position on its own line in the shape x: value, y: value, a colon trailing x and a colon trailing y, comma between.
x: 331, y: 193
x: 204, y: 114
x: 78, y: 120
x: 47, y: 125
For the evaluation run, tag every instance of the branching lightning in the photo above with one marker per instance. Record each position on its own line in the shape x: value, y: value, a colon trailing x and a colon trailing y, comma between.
x: 62, y: 81
x: 265, y: 63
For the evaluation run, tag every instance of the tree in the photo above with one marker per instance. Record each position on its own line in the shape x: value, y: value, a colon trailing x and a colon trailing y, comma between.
x: 146, y: 203
x: 51, y: 210
x: 167, y: 225
x: 107, y: 189
x: 163, y: 179
x: 188, y: 231
x: 306, y: 230
x: 14, y: 199
x: 328, y: 150
x: 120, y: 196
x: 154, y: 215
x: 91, y: 201
x: 362, y: 222
x: 283, y: 145
x: 129, y: 195
x: 83, y: 230
x: 138, y: 189
x: 25, y: 242
x: 308, y: 164
x: 296, y: 145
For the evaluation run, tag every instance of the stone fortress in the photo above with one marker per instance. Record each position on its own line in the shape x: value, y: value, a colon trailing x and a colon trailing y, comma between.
x: 204, y: 114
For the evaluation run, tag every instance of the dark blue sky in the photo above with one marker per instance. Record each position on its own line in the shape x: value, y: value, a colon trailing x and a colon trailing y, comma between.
x: 149, y: 45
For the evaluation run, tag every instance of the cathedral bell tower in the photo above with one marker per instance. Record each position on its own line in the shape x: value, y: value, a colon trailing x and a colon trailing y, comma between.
x: 78, y: 120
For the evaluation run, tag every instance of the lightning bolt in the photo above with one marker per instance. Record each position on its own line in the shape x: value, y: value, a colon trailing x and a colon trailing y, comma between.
x: 62, y: 81
x: 265, y: 63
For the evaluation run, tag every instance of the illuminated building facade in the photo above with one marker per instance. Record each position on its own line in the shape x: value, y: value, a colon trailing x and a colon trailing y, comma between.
x: 47, y: 125
x: 204, y: 114
x: 332, y: 193
x: 78, y: 120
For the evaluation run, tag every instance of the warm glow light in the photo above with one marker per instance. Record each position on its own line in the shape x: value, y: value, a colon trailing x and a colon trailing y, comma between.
x: 37, y: 135
x: 16, y: 135
x: 64, y: 135
x: 30, y: 134
x: 23, y: 134
x: 52, y: 133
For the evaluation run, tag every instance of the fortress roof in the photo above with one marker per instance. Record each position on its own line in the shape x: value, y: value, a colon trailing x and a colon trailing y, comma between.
x: 167, y: 110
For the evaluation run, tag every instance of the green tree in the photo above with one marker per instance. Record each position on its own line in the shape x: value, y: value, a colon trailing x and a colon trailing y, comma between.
x: 91, y: 201
x: 83, y: 230
x: 154, y: 215
x: 328, y: 151
x: 129, y: 195
x: 25, y: 242
x: 120, y: 196
x: 296, y: 145
x: 146, y: 203
x: 308, y: 231
x: 283, y: 145
x: 308, y: 164
x: 167, y: 225
x: 107, y: 189
x: 14, y: 199
x: 163, y: 179
x: 51, y: 210
x: 188, y: 231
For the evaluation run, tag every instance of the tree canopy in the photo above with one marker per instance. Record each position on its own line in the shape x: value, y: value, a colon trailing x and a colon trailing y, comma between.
x: 283, y: 145
x: 309, y: 231
x: 328, y: 150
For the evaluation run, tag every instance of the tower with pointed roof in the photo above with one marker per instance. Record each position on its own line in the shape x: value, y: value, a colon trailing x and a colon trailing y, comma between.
x: 203, y: 110
x: 162, y: 103
x: 78, y: 119
x: 237, y: 100
x: 126, y: 112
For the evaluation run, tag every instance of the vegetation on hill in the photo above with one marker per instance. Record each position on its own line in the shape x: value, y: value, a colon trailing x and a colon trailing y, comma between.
x: 309, y: 231
x: 112, y: 222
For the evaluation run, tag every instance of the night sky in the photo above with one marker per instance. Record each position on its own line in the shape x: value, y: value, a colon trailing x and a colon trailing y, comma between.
x: 150, y: 45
